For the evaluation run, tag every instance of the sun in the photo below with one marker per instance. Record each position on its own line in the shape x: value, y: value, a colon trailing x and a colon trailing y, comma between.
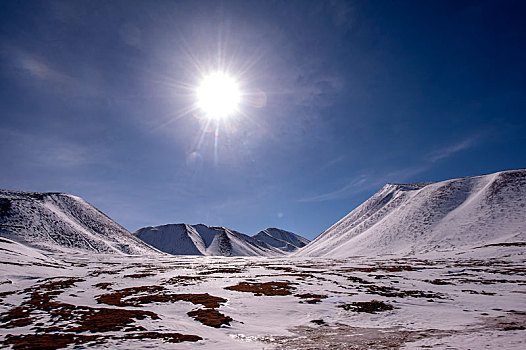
x: 218, y: 96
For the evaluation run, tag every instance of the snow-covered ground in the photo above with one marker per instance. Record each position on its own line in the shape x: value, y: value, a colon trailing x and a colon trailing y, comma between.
x: 430, y: 265
x: 422, y: 217
x: 468, y: 299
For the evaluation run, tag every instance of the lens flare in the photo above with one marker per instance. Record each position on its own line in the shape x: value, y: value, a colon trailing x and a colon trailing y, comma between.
x: 218, y: 96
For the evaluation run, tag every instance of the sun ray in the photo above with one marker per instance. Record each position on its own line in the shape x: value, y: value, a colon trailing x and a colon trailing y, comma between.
x: 218, y: 96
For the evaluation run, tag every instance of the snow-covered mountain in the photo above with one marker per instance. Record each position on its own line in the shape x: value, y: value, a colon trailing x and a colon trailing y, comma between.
x: 58, y: 221
x: 423, y: 217
x: 284, y: 240
x: 183, y: 239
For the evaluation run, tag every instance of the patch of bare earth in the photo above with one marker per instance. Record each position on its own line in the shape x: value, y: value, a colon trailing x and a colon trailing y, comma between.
x: 67, y: 322
x: 52, y: 341
x: 47, y: 341
x: 210, y: 317
x: 103, y: 285
x: 371, y: 307
x: 311, y: 298
x: 392, y: 292
x: 138, y: 296
x: 139, y: 275
x: 265, y: 288
x: 221, y: 270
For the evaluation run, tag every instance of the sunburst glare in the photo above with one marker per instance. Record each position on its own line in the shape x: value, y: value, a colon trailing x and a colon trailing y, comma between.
x: 218, y: 96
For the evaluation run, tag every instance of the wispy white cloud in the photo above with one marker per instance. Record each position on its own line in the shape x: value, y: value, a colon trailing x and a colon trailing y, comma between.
x: 333, y: 162
x: 355, y: 185
x: 448, y: 151
x: 369, y: 180
x: 45, y: 150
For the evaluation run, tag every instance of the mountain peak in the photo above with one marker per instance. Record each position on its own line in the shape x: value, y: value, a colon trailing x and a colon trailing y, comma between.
x: 60, y: 221
x: 422, y: 217
x: 281, y: 239
x: 200, y: 239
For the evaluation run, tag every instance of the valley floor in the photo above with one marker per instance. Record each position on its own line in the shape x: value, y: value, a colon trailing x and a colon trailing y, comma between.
x: 445, y: 301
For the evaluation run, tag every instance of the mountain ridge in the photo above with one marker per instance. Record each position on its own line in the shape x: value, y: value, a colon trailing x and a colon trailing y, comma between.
x: 61, y: 221
x: 428, y: 216
x: 214, y: 240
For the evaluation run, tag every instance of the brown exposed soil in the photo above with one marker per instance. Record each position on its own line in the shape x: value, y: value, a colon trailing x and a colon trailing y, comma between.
x: 12, y: 263
x: 156, y: 294
x: 319, y: 322
x: 139, y: 275
x: 311, y: 298
x: 46, y: 341
x: 103, y: 285
x: 281, y: 268
x: 167, y: 337
x: 59, y: 334
x: 17, y: 317
x: 41, y: 298
x: 392, y: 292
x: 116, y: 298
x: 221, y: 270
x: 103, y: 272
x: 86, y: 318
x: 470, y: 291
x: 266, y: 288
x: 107, y: 320
x: 151, y: 294
x: 210, y: 317
x: 439, y: 282
x: 358, y: 280
x: 371, y: 307
x: 511, y: 244
x: 52, y: 341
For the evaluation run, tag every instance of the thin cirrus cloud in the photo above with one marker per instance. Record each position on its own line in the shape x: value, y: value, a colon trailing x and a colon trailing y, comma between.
x: 365, y: 182
x: 42, y: 150
x: 451, y: 150
x: 355, y: 185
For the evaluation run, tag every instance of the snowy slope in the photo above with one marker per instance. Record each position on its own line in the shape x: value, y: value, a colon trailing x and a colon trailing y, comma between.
x: 60, y: 222
x: 284, y: 240
x: 177, y: 239
x: 422, y: 217
x: 183, y: 239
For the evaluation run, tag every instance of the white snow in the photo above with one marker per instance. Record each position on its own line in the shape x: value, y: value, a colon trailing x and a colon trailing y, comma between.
x: 284, y: 240
x: 417, y: 218
x: 60, y: 221
x: 446, y: 262
x: 183, y: 239
x: 472, y: 302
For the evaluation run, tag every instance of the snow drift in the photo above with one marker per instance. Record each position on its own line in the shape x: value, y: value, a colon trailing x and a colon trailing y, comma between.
x: 422, y: 217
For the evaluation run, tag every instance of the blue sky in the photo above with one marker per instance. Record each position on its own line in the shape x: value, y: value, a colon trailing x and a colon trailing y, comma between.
x: 341, y: 97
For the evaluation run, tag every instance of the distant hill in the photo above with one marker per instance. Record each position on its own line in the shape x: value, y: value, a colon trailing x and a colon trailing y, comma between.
x: 281, y: 239
x: 58, y: 221
x: 423, y: 217
x: 183, y: 239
